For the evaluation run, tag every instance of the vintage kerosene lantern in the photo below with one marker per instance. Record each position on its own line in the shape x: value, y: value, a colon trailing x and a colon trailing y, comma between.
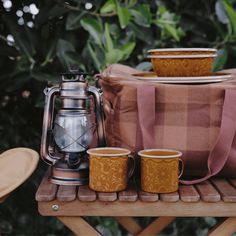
x: 67, y: 134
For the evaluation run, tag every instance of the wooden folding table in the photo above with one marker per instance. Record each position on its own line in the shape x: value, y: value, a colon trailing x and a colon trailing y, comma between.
x: 216, y: 198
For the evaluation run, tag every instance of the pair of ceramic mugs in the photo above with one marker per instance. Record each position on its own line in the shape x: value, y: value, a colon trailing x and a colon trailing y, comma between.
x: 111, y: 168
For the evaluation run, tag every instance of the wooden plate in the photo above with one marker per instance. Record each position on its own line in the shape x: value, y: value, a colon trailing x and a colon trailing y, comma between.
x: 212, y: 78
x: 16, y: 165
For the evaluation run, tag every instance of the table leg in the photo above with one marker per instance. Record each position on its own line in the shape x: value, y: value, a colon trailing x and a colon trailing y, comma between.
x: 225, y: 228
x: 79, y: 226
x: 129, y: 224
x: 157, y: 226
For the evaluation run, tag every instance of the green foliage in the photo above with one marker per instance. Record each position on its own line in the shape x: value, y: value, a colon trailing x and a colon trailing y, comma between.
x: 68, y: 35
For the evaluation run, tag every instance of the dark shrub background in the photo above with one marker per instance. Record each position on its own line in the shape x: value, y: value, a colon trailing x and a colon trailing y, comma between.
x: 40, y: 39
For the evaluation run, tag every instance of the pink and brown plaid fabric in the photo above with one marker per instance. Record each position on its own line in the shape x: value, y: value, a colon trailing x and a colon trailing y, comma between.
x: 187, y: 117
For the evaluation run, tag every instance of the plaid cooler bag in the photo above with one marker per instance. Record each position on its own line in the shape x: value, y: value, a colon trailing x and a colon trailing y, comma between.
x: 197, y: 119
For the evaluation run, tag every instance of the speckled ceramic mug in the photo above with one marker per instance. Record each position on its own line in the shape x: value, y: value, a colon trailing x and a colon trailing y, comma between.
x: 160, y: 170
x: 108, y: 168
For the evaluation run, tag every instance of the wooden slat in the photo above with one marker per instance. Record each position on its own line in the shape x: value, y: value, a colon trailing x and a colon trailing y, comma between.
x: 148, y: 197
x: 225, y: 228
x: 207, y: 192
x: 138, y: 208
x: 188, y: 193
x: 66, y: 193
x: 46, y: 191
x: 129, y: 224
x: 169, y: 197
x: 156, y: 226
x: 79, y: 226
x: 85, y: 194
x: 227, y: 191
x: 130, y: 194
x: 107, y: 197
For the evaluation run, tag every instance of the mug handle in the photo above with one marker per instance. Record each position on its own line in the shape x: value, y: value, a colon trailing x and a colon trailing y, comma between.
x: 132, y: 167
x: 182, y: 167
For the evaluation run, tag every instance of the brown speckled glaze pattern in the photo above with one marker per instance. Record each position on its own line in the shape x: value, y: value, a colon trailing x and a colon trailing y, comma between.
x: 108, y: 174
x: 172, y: 67
x: 159, y: 175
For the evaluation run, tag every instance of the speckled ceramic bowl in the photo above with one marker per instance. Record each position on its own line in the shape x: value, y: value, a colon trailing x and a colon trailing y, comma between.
x: 184, y: 62
x: 183, y: 65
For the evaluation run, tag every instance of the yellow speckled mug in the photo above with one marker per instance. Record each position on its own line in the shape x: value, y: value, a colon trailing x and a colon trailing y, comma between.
x: 160, y: 170
x: 108, y: 168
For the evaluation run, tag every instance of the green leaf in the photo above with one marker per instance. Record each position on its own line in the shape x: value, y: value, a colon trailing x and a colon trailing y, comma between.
x: 163, y: 15
x: 131, y: 3
x: 108, y: 7
x: 123, y: 15
x: 50, y: 54
x: 63, y: 47
x: 113, y: 56
x: 231, y: 14
x: 220, y: 60
x: 73, y: 20
x: 94, y: 27
x: 161, y: 10
x: 181, y: 33
x: 93, y: 54
x: 144, y: 34
x: 144, y: 66
x: 172, y: 31
x: 211, y: 221
x: 127, y: 49
x: 220, y: 12
x: 142, y: 16
x: 73, y: 57
x: 108, y: 38
x: 22, y: 64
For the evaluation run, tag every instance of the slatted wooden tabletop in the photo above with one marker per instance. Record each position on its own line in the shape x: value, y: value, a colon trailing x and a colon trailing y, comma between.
x: 69, y: 204
x: 59, y: 200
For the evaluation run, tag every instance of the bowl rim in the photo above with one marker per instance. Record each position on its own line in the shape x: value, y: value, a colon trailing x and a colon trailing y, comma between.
x: 182, y: 56
x: 123, y: 151
x: 177, y: 153
x: 182, y: 49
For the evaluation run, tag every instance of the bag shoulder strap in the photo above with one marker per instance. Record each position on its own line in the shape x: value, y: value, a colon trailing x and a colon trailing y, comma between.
x: 220, y: 151
x: 146, y: 116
